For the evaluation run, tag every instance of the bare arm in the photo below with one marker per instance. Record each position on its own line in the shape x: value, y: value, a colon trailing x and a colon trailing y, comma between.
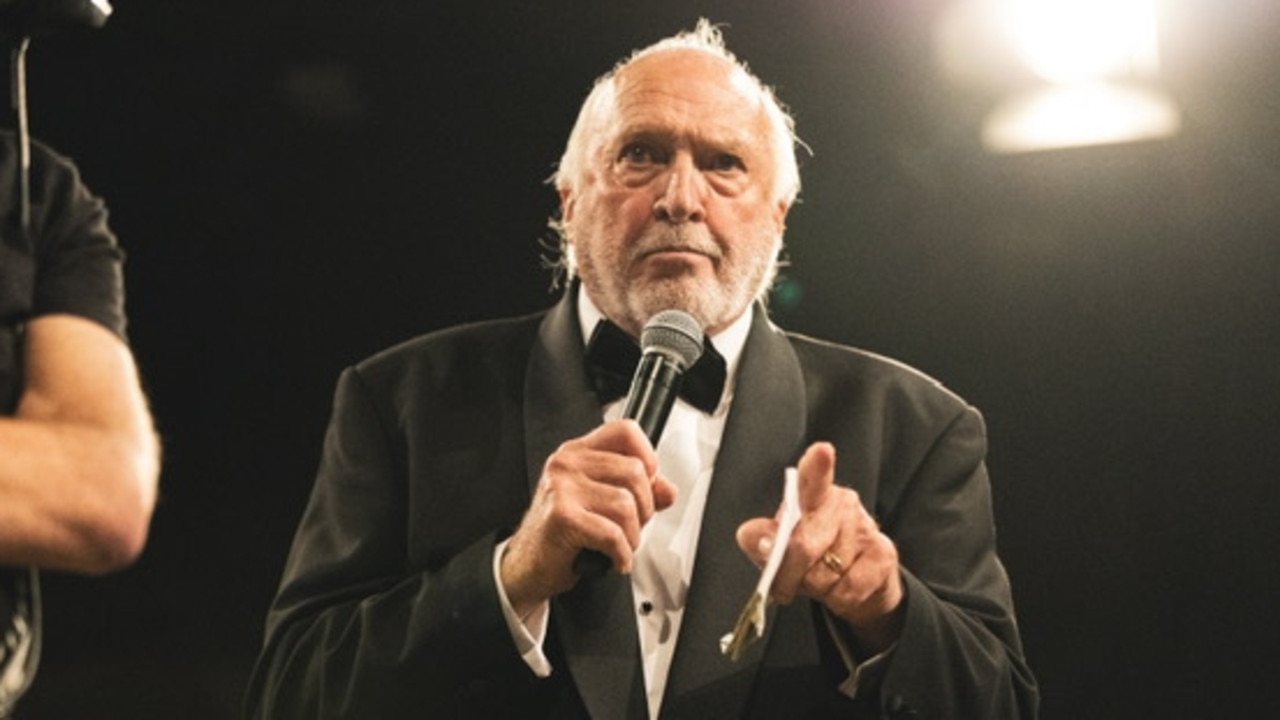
x: 79, y: 461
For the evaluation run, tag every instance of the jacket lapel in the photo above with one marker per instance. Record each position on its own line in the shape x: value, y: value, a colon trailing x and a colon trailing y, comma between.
x: 763, y: 435
x: 559, y: 402
x: 593, y: 621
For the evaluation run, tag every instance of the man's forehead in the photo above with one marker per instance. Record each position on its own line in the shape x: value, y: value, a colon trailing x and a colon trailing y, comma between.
x: 674, y: 70
x: 719, y: 132
x: 660, y: 91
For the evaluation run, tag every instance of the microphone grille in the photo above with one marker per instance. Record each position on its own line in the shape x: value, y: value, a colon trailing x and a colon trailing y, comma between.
x: 675, y: 334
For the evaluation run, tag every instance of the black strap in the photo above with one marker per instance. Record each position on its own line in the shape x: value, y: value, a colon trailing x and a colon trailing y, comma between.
x: 19, y: 634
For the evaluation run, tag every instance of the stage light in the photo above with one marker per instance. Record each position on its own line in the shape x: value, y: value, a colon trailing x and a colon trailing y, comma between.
x: 1066, y: 73
x: 1077, y: 115
x: 1081, y: 41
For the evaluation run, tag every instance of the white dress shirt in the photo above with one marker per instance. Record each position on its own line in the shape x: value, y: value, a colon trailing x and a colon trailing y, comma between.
x: 663, y: 563
x: 668, y: 547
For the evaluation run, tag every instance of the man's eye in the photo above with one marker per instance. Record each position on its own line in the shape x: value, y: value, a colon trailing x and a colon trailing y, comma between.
x: 638, y: 154
x: 726, y: 162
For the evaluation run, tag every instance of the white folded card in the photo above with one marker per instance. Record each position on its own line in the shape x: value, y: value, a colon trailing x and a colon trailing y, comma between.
x: 750, y: 625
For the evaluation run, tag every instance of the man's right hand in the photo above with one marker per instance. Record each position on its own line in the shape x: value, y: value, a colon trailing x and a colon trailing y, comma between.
x: 596, y: 491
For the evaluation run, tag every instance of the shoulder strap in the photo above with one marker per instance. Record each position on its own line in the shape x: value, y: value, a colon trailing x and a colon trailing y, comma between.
x: 19, y: 633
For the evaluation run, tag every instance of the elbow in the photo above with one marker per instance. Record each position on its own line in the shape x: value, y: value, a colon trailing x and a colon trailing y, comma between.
x: 116, y: 542
x: 120, y: 532
x: 115, y: 548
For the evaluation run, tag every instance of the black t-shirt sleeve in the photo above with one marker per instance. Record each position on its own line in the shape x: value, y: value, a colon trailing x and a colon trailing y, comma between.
x: 78, y: 261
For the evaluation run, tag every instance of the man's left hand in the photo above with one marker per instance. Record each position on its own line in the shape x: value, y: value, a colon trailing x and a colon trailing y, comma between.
x: 837, y: 555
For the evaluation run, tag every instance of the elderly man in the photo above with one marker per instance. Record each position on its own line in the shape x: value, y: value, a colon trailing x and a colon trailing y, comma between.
x: 436, y: 571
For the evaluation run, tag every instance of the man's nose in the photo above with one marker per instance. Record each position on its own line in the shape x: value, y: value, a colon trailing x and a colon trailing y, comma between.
x: 682, y: 198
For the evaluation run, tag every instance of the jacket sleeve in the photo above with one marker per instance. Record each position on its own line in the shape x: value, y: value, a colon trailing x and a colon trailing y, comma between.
x: 960, y: 654
x: 359, y: 628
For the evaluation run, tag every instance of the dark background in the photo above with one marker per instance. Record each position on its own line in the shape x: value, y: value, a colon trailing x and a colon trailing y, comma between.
x: 300, y: 184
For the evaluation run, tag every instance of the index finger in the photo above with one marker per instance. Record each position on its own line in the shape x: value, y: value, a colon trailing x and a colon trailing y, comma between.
x: 817, y: 475
x: 624, y: 437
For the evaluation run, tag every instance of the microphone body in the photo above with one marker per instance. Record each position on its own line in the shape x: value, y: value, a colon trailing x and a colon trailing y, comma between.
x: 653, y: 393
x: 670, y: 343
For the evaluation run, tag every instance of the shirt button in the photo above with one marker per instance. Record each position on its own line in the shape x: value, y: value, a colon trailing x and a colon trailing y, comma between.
x: 646, y: 607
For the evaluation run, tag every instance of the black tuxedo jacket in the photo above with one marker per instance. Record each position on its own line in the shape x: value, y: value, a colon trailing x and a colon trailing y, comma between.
x: 388, y: 606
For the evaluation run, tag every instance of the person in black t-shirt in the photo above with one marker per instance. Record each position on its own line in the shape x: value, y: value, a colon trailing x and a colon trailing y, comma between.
x: 79, y: 457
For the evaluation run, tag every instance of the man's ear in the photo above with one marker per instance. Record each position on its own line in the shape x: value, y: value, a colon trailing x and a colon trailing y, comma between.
x: 566, y: 205
x: 779, y: 215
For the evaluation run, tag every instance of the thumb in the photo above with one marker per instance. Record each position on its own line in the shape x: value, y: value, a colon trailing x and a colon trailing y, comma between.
x: 664, y: 493
x: 755, y: 538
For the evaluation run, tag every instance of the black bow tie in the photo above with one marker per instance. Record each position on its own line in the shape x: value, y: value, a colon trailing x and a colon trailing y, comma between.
x: 611, y: 361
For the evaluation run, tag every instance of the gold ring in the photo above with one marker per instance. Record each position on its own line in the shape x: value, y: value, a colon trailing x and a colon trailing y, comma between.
x: 833, y: 561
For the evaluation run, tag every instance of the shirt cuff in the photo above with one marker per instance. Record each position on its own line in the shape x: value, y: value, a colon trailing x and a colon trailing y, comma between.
x: 862, y: 675
x: 529, y: 633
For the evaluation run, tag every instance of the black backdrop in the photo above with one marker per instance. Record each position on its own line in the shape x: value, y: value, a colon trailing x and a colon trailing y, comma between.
x: 298, y: 186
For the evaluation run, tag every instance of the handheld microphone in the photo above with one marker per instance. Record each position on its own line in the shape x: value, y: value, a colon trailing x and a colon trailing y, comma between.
x: 34, y: 17
x: 670, y: 343
x: 19, y: 20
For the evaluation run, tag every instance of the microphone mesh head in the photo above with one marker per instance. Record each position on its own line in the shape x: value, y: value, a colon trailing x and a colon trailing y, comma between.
x: 673, y: 333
